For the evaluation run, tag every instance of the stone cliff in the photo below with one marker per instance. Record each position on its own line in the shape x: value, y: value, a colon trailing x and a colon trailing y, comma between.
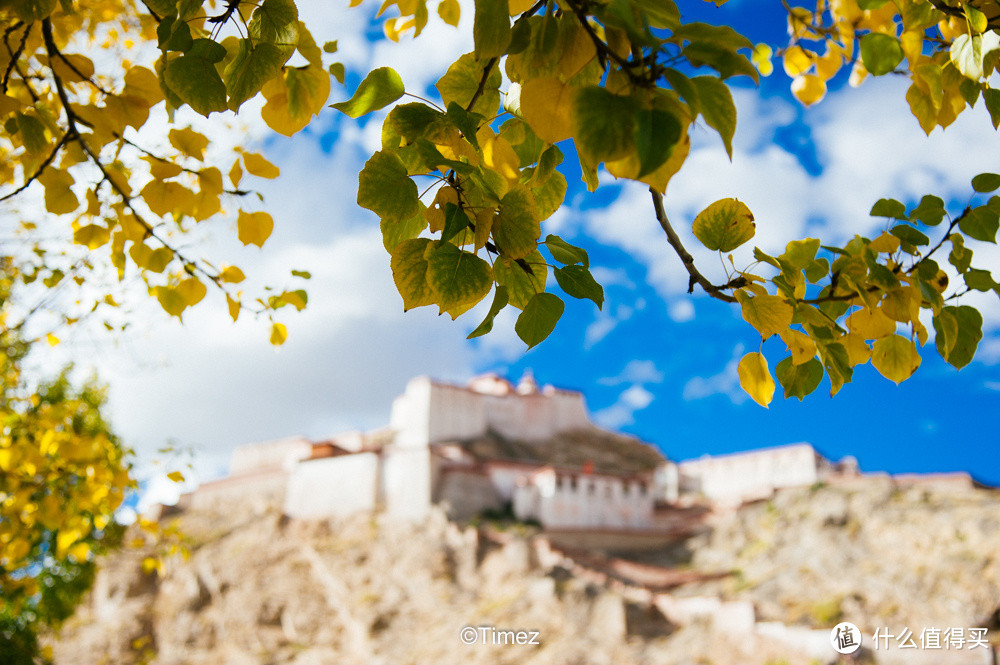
x: 761, y: 585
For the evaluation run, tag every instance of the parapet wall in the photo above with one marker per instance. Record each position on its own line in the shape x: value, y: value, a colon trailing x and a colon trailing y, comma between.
x: 430, y: 412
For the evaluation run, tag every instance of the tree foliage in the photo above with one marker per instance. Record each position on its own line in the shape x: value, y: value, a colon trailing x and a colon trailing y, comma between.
x: 463, y: 187
x: 63, y: 473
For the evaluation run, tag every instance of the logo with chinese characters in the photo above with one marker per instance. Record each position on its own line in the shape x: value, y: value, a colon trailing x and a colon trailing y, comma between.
x: 845, y: 638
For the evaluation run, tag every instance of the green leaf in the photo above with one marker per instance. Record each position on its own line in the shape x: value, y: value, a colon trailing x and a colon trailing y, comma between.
x: 684, y: 87
x: 32, y: 132
x: 539, y: 318
x: 991, y: 97
x: 395, y: 232
x: 459, y: 279
x: 986, y: 182
x: 409, y: 272
x: 565, y: 253
x: 801, y: 253
x: 980, y: 223
x: 721, y: 58
x: 715, y: 102
x: 960, y: 256
x: 461, y: 81
x: 518, y: 231
x: 550, y: 195
x: 455, y: 221
x: 769, y: 315
x: 603, y: 124
x: 254, y: 65
x: 880, y: 53
x: 411, y: 121
x: 724, y: 225
x: 799, y: 380
x: 910, y: 235
x: 523, y: 278
x: 577, y: 281
x: 491, y: 28
x: 888, y: 208
x: 895, y: 357
x: 385, y: 189
x: 836, y: 364
x: 194, y: 78
x: 968, y: 331
x: 380, y: 88
x: 499, y: 302
x: 979, y: 280
x: 930, y: 211
x: 467, y: 123
x: 275, y: 22
x: 32, y: 10
x: 655, y: 134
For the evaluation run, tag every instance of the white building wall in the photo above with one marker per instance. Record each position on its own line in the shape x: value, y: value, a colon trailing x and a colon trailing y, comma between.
x: 278, y: 454
x: 755, y: 474
x: 587, y: 501
x: 429, y: 412
x: 333, y: 486
x: 407, y: 482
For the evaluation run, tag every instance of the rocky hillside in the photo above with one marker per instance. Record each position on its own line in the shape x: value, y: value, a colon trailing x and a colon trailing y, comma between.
x: 261, y: 590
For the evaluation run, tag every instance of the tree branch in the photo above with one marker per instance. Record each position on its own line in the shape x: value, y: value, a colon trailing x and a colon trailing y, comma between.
x: 695, y: 276
x: 493, y: 61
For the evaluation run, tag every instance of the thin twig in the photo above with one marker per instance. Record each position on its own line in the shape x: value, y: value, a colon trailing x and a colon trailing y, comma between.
x: 695, y: 276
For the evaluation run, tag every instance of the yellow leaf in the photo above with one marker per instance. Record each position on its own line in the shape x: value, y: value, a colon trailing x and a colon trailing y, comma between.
x: 802, y: 348
x: 498, y: 155
x: 157, y: 260
x: 547, y: 106
x: 520, y: 6
x: 59, y: 198
x: 176, y: 476
x: 450, y: 11
x: 170, y: 300
x: 232, y: 275
x: 260, y: 167
x: 761, y: 58
x: 152, y: 564
x: 141, y: 82
x: 434, y: 214
x: 768, y: 314
x: 161, y: 169
x: 191, y: 290
x: 188, y: 141
x: 858, y: 352
x: 6, y: 459
x: 234, y: 307
x: 64, y: 539
x: 92, y: 235
x: 79, y: 551
x: 164, y: 198
x: 885, y: 243
x: 808, y: 89
x: 755, y: 378
x: 132, y: 228
x: 236, y: 174
x: 254, y: 228
x: 278, y: 334
x: 797, y: 61
x: 895, y: 357
x: 870, y: 323
x: 51, y: 339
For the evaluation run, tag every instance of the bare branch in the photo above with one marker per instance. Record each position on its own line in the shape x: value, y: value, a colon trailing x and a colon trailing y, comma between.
x: 695, y: 276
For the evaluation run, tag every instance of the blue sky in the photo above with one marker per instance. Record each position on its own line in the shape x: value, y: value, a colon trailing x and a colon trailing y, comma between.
x: 656, y: 362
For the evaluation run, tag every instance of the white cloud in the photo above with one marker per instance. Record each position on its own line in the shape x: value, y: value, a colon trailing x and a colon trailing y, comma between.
x: 636, y: 371
x: 726, y: 382
x: 622, y: 412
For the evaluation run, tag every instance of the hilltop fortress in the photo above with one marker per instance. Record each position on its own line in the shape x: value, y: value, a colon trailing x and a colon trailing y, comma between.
x: 494, y: 446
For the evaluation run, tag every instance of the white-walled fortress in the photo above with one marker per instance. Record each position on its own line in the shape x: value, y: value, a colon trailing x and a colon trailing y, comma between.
x: 494, y: 446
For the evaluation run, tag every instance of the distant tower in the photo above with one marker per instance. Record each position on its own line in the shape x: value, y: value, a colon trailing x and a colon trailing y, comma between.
x: 527, y: 385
